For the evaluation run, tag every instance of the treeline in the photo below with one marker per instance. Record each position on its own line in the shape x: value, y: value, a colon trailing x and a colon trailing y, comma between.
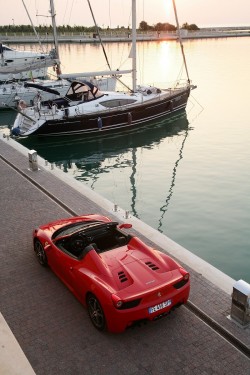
x: 165, y: 27
x: 43, y: 29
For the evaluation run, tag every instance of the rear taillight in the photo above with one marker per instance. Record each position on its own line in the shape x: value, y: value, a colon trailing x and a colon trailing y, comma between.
x: 184, y: 273
x: 123, y: 305
x: 116, y: 301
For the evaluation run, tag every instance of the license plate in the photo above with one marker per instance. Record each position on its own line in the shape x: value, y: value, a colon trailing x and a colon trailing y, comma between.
x: 161, y: 306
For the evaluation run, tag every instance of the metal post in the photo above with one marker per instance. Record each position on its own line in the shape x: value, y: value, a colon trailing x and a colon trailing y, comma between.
x: 240, y: 309
x: 33, y: 164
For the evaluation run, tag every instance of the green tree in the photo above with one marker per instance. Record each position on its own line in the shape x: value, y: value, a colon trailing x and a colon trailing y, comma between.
x: 193, y: 27
x: 164, y: 27
x: 143, y: 26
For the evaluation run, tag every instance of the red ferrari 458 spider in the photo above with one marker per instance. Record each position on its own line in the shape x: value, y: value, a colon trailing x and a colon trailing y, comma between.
x: 118, y: 277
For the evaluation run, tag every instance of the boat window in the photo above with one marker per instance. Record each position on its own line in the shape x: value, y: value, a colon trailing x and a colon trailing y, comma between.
x: 83, y: 91
x: 77, y: 92
x: 9, y: 61
x: 117, y: 102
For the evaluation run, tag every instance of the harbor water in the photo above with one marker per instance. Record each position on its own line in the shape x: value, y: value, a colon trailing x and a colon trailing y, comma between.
x: 187, y: 176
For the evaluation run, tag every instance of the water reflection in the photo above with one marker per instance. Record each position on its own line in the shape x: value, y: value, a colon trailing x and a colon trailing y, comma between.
x: 7, y: 118
x: 95, y: 161
x: 164, y: 208
x: 75, y: 149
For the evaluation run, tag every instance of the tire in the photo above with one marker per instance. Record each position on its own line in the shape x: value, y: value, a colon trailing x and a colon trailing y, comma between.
x: 40, y: 253
x: 96, y: 313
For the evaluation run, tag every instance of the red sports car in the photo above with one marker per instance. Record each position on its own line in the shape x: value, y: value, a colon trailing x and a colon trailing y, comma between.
x: 118, y: 277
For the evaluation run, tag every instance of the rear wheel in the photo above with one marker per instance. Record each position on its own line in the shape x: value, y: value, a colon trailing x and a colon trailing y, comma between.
x: 40, y: 253
x: 96, y: 313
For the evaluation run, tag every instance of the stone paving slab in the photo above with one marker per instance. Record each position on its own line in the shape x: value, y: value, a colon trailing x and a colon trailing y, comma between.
x: 52, y: 327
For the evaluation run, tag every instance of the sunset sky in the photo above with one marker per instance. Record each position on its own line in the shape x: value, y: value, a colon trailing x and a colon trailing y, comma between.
x: 113, y: 13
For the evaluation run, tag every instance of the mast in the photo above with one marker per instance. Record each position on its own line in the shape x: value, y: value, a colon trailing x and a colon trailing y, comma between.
x: 182, y: 48
x: 53, y: 18
x: 134, y: 44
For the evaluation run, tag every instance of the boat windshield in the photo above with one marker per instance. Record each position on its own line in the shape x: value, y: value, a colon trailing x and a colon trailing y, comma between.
x: 84, y: 91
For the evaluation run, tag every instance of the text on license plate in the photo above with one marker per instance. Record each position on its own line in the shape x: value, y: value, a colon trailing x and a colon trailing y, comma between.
x: 160, y: 306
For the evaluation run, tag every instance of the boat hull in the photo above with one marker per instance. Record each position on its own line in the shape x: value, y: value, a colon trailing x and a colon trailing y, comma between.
x: 118, y: 120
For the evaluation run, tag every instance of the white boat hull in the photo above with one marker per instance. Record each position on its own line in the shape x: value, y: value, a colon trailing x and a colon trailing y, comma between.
x: 23, y: 65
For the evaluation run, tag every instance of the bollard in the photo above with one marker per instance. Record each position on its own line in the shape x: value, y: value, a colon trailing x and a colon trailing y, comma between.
x: 33, y: 164
x: 240, y: 309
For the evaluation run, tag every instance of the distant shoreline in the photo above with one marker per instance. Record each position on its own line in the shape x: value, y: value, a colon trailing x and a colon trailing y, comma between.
x: 112, y: 37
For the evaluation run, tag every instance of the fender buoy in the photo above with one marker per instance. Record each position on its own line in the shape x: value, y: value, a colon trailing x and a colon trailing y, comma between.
x: 15, y: 131
x: 99, y: 123
x: 171, y: 105
x: 129, y: 118
x: 66, y: 112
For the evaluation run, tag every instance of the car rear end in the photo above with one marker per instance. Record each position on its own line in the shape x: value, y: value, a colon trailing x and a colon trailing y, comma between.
x: 152, y: 304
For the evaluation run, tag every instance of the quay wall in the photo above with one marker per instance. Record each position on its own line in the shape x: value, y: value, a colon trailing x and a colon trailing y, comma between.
x: 109, y: 37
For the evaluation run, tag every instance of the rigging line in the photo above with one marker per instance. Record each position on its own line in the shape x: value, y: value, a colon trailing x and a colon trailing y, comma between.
x: 109, y: 15
x: 34, y: 29
x: 103, y: 49
x: 71, y: 11
x: 98, y: 33
x: 65, y: 12
x: 197, y: 102
x: 180, y: 40
x: 122, y: 59
x: 164, y: 208
x: 179, y: 75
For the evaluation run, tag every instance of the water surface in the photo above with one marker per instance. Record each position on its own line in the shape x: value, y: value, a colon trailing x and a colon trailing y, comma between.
x: 189, y: 176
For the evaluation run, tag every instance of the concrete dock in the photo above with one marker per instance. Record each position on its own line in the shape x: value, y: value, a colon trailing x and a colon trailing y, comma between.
x: 44, y: 330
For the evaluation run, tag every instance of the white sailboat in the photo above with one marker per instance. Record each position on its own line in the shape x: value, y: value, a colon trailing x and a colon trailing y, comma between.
x: 22, y: 65
x: 17, y: 66
x: 87, y: 110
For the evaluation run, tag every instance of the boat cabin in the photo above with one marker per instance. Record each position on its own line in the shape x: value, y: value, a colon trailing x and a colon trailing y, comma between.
x: 83, y: 91
x: 78, y: 92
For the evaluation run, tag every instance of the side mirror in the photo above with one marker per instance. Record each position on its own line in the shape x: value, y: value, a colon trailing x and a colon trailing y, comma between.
x: 125, y: 226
